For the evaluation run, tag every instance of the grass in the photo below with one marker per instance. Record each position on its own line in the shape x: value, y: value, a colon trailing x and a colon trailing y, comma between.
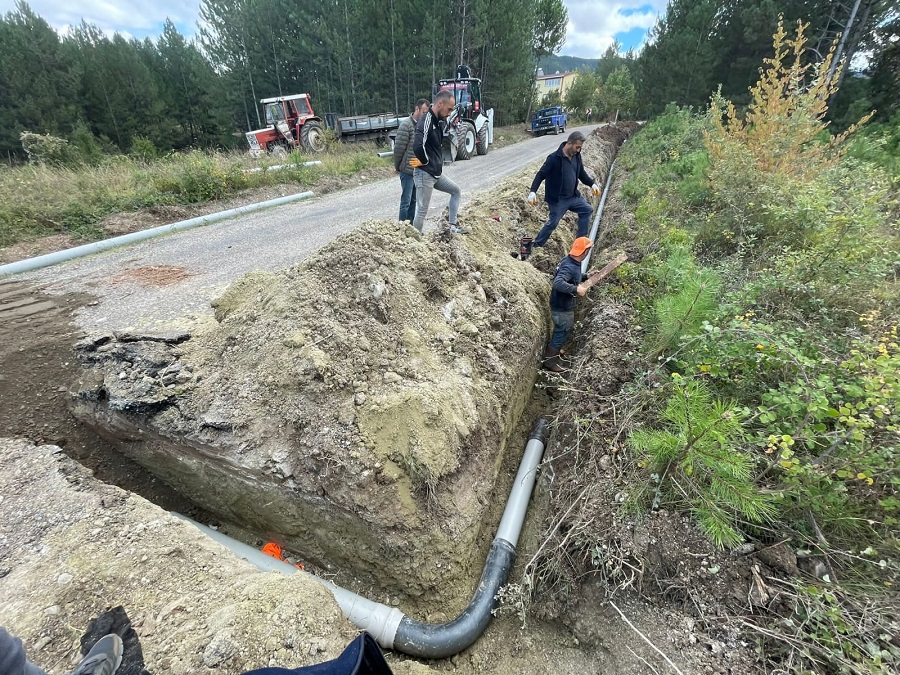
x: 37, y: 200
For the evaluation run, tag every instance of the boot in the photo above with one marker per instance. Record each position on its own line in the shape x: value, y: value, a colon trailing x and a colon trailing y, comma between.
x: 525, y: 247
x: 551, y: 361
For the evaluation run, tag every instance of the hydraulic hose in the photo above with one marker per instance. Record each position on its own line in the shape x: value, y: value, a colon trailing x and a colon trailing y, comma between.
x: 388, y: 625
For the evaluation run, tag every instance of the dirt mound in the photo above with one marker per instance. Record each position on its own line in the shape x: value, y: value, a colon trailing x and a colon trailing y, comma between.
x: 355, y: 406
x: 72, y: 547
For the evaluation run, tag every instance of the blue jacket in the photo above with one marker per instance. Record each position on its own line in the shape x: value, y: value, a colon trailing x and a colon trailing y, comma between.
x: 551, y: 172
x: 428, y: 144
x: 565, y: 285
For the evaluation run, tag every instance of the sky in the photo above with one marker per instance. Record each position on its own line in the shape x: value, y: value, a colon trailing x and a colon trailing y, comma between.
x: 593, y: 24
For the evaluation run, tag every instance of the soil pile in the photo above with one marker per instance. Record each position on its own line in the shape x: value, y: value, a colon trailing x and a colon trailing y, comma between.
x: 355, y: 407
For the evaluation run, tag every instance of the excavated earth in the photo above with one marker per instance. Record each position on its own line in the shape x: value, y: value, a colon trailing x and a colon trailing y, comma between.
x: 356, y: 408
x: 366, y: 409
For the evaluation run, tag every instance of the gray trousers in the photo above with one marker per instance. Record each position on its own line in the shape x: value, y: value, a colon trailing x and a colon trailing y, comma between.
x: 426, y: 184
x: 12, y: 657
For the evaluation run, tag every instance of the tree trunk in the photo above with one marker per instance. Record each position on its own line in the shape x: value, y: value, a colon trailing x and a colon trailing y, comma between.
x: 350, y: 58
x: 394, y: 54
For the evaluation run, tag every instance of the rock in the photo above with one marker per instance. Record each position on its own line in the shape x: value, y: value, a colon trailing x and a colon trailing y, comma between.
x: 64, y: 578
x: 391, y: 377
x: 779, y: 557
x: 168, y: 337
x: 90, y: 344
x: 220, y: 649
x: 359, y: 398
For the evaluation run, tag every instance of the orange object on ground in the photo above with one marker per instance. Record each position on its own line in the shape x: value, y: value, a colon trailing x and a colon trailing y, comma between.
x: 273, y: 550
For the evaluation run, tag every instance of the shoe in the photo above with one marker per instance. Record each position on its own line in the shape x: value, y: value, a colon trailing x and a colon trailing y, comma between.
x: 551, y: 361
x: 104, y: 658
x: 456, y: 228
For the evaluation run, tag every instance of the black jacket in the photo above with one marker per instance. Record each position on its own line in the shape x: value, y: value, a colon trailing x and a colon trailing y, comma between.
x: 565, y: 285
x: 551, y: 172
x: 428, y: 144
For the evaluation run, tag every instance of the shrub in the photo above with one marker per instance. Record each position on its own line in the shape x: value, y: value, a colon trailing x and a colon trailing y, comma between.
x: 699, y: 451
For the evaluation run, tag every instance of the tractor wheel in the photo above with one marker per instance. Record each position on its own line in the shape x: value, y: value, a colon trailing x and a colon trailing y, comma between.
x: 278, y: 150
x: 481, y: 143
x: 466, y: 140
x: 312, y: 137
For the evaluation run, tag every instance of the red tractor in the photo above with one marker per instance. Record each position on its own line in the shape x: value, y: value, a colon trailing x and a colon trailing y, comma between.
x: 292, y: 124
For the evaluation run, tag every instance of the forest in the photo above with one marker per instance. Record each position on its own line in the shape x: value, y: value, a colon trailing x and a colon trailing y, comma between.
x: 177, y: 92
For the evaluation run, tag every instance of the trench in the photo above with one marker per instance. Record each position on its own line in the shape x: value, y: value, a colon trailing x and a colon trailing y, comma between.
x: 111, y: 466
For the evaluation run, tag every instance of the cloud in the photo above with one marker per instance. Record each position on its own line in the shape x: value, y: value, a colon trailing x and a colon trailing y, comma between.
x: 138, y: 18
x: 594, y: 25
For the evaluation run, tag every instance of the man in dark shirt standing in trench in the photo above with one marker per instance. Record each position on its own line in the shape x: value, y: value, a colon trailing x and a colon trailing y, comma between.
x: 561, y: 172
x: 568, y: 285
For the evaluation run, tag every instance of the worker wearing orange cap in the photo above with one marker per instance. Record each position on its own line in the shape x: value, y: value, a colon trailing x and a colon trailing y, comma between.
x: 568, y: 286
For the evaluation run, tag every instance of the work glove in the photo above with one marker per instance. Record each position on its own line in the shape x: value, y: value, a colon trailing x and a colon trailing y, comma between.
x: 532, y: 198
x: 595, y: 189
x: 415, y: 162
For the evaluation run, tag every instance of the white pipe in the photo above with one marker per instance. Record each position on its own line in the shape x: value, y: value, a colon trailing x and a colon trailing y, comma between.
x: 593, y: 235
x: 514, y: 514
x: 386, y: 154
x: 380, y: 620
x: 276, y: 167
x: 56, y: 257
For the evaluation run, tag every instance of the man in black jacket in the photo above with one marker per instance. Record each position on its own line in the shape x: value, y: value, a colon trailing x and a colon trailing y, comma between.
x: 561, y: 172
x: 568, y: 286
x: 429, y: 162
x: 403, y: 152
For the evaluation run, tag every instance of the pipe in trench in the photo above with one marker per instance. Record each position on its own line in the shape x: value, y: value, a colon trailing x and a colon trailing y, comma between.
x: 586, y: 263
x: 388, y: 625
x: 30, y: 264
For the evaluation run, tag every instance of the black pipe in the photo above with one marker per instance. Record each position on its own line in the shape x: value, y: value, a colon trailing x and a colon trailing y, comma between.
x: 438, y: 641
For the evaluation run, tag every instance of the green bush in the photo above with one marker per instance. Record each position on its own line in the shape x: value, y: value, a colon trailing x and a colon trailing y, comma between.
x: 699, y: 451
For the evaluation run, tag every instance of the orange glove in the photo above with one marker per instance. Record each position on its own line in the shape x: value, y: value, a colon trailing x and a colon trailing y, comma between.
x: 595, y: 189
x: 415, y: 162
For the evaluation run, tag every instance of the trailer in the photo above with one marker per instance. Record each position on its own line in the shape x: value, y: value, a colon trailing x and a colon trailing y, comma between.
x: 353, y: 128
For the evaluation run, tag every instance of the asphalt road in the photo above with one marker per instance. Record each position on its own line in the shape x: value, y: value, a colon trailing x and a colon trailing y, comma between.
x: 217, y: 254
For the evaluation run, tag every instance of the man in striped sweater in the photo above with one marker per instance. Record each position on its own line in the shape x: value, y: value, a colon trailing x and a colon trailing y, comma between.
x: 429, y: 162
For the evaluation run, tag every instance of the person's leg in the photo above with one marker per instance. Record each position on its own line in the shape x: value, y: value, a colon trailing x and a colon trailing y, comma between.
x: 444, y: 184
x: 555, y: 214
x: 424, y: 187
x: 562, y: 326
x: 584, y: 210
x: 411, y: 213
x: 12, y: 657
x: 407, y: 189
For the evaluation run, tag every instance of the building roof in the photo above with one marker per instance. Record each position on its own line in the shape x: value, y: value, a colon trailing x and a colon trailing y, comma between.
x: 556, y: 75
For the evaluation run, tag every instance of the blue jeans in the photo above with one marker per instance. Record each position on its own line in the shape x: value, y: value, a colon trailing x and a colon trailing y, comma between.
x: 562, y: 326
x: 579, y: 205
x: 407, y: 197
x: 426, y: 184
